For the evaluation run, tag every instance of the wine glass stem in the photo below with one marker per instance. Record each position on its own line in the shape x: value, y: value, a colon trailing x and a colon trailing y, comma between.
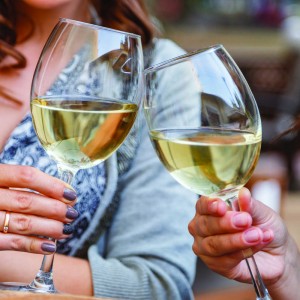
x: 43, y: 281
x: 257, y: 281
x: 66, y: 175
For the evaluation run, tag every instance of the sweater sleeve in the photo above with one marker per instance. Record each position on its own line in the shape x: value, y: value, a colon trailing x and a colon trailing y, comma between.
x: 148, y: 252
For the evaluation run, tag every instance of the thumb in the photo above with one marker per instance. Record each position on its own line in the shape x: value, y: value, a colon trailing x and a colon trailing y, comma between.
x: 260, y: 212
x: 245, y: 200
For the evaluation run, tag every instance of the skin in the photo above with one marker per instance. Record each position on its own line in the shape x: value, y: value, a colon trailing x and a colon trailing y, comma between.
x: 221, y: 235
x: 44, y: 212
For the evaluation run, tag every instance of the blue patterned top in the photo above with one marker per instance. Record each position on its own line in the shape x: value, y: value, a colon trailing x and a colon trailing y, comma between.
x: 23, y: 148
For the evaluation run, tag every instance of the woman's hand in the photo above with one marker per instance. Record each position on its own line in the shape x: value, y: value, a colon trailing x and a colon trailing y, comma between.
x: 221, y: 235
x: 35, y: 205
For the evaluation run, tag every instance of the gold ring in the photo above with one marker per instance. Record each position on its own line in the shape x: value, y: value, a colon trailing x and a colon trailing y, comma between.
x: 6, y: 222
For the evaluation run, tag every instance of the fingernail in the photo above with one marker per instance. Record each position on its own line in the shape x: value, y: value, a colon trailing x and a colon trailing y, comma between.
x: 47, y: 247
x: 214, y: 206
x: 240, y: 220
x: 68, y: 229
x: 71, y: 213
x: 251, y: 236
x: 267, y: 236
x: 70, y: 194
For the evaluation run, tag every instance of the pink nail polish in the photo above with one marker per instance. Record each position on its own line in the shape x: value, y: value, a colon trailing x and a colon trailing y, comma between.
x: 214, y: 206
x: 267, y: 236
x: 251, y: 236
x: 240, y: 220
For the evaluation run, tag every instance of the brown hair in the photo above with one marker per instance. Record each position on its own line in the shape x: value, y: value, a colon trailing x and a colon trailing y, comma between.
x: 295, y: 127
x: 8, y: 36
x: 126, y: 15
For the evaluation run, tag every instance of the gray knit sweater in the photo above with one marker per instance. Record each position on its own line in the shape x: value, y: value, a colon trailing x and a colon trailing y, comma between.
x: 137, y: 240
x: 146, y: 252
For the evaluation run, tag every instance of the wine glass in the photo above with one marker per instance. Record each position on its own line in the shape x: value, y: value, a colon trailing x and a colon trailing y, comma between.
x: 85, y: 96
x: 207, y: 132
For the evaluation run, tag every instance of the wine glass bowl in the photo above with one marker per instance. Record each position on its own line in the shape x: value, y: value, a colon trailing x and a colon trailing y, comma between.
x: 207, y: 132
x: 86, y: 92
x: 210, y: 139
x: 81, y: 133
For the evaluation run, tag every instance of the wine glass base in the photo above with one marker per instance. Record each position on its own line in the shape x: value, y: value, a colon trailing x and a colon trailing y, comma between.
x: 12, y: 286
x: 25, y: 287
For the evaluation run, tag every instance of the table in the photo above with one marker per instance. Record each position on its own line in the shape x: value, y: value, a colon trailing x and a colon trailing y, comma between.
x: 31, y: 296
x: 246, y: 293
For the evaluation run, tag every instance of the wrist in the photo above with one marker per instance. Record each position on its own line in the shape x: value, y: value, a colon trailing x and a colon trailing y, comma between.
x: 286, y: 285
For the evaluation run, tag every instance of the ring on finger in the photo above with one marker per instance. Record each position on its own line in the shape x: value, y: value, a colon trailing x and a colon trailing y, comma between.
x: 6, y: 222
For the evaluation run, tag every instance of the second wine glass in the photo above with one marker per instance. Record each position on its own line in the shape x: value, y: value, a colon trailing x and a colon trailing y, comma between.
x: 85, y: 96
x: 207, y: 133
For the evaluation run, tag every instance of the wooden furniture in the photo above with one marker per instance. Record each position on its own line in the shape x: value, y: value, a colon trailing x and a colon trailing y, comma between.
x: 31, y: 296
x: 229, y: 294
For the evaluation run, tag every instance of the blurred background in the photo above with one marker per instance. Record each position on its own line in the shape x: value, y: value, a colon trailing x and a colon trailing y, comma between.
x: 263, y: 36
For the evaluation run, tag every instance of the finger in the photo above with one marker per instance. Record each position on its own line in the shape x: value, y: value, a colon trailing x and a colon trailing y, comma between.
x: 211, y: 206
x: 232, y: 266
x: 36, y: 204
x: 34, y: 179
x: 26, y: 243
x: 32, y: 225
x: 231, y: 222
x: 245, y: 201
x: 261, y: 214
x: 219, y: 245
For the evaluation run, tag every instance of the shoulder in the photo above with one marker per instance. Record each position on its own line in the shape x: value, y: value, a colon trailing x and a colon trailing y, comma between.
x: 167, y: 48
x: 162, y: 50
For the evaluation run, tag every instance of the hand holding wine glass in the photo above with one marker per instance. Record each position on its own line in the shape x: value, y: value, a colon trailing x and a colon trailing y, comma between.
x: 29, y: 215
x: 210, y: 140
x: 220, y: 242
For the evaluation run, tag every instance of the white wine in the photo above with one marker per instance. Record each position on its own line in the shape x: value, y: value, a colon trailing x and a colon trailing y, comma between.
x: 81, y: 133
x: 208, y: 161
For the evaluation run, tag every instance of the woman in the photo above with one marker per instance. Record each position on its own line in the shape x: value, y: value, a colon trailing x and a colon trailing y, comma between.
x: 220, y: 235
x: 130, y: 248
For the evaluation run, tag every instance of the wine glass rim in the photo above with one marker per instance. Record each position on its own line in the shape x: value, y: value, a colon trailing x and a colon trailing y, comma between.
x: 181, y: 58
x: 94, y: 26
